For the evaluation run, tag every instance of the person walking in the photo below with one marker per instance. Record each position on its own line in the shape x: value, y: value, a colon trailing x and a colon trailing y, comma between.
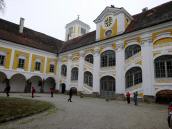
x: 70, y: 95
x: 7, y: 88
x: 128, y: 97
x: 135, y: 98
x: 52, y: 91
x: 33, y: 91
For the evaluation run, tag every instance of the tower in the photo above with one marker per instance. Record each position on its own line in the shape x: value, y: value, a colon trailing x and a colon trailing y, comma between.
x: 76, y: 28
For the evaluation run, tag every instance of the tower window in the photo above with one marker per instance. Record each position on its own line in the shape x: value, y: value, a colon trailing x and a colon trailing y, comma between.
x: 83, y: 31
x: 70, y: 31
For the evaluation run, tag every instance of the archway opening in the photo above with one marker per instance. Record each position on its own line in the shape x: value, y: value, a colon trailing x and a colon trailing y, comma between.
x: 164, y: 96
x: 3, y: 78
x: 49, y: 83
x: 63, y: 88
x: 36, y: 82
x: 18, y: 83
x: 107, y: 86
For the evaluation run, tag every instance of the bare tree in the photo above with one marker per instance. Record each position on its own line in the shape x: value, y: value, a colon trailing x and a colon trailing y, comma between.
x: 2, y: 5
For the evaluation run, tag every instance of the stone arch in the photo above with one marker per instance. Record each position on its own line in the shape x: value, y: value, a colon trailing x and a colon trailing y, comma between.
x: 49, y: 83
x: 164, y: 96
x: 3, y: 78
x: 107, y: 85
x: 18, y: 83
x: 36, y: 82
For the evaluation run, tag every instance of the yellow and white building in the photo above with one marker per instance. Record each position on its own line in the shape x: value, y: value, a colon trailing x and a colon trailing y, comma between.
x: 124, y: 53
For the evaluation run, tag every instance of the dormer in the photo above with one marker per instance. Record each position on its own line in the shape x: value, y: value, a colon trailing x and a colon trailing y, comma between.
x: 112, y: 21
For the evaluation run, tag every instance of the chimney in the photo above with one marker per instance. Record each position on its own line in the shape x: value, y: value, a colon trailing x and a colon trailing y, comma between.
x: 21, y: 26
x: 145, y: 9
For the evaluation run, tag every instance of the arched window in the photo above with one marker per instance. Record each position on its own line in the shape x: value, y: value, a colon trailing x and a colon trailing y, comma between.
x: 133, y: 76
x: 132, y: 50
x: 108, y: 58
x: 89, y: 58
x: 63, y: 70
x: 163, y: 66
x: 74, y: 74
x: 88, y: 78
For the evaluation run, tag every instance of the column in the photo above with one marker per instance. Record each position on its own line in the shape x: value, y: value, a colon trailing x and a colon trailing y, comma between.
x: 68, y: 72
x: 120, y: 64
x: 147, y: 64
x: 81, y: 71
x: 96, y: 69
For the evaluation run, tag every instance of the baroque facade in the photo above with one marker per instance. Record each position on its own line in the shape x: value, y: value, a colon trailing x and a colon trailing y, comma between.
x: 124, y: 53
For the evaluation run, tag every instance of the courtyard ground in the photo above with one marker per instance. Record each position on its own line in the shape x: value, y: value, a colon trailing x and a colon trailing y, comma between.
x: 91, y: 113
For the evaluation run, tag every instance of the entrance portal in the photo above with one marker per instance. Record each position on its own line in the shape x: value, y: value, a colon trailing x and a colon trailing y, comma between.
x: 164, y: 96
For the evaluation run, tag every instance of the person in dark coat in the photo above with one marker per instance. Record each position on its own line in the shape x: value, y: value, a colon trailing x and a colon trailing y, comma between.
x: 7, y: 88
x: 70, y: 95
x: 33, y: 91
x: 52, y: 91
x: 135, y: 98
x: 128, y: 97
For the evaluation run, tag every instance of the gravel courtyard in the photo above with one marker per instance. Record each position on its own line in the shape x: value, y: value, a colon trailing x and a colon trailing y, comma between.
x: 91, y: 113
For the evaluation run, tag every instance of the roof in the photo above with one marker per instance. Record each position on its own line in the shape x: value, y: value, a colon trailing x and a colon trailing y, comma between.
x: 154, y: 16
x: 10, y: 32
x: 80, y: 41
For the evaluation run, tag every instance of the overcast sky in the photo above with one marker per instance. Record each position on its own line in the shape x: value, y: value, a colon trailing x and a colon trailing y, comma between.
x: 51, y: 16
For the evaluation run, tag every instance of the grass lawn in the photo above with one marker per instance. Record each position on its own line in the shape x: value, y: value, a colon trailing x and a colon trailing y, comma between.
x: 13, y: 108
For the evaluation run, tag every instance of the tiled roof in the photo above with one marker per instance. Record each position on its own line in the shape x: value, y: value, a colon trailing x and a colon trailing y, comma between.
x: 80, y: 41
x: 154, y: 16
x: 10, y: 32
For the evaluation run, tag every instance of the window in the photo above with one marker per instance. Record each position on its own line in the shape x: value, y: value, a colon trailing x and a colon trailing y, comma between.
x: 133, y: 77
x: 108, y: 58
x: 21, y: 63
x: 37, y: 66
x: 51, y: 68
x: 88, y: 79
x: 64, y: 70
x: 74, y: 74
x: 132, y: 50
x: 2, y: 60
x: 89, y: 58
x: 83, y: 31
x: 163, y: 66
x: 70, y: 31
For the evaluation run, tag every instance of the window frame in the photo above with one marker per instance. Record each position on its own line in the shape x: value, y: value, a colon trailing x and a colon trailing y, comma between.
x: 74, y: 74
x: 108, y: 58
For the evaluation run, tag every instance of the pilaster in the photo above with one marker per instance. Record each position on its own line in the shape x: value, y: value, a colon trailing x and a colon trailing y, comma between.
x: 147, y: 65
x: 69, y: 72
x: 120, y: 64
x: 81, y: 71
x: 96, y: 69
